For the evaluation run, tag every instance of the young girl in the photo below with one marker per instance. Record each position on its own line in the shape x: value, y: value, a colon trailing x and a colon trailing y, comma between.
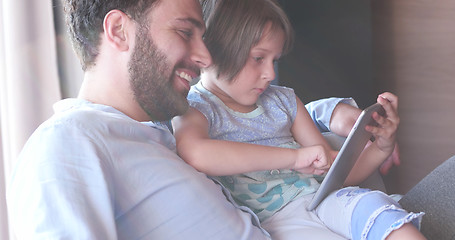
x: 260, y: 142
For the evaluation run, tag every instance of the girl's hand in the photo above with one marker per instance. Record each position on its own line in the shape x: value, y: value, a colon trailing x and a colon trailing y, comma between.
x: 314, y: 160
x: 385, y: 132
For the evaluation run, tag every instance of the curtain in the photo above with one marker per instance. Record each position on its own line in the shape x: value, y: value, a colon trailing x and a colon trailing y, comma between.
x: 29, y: 81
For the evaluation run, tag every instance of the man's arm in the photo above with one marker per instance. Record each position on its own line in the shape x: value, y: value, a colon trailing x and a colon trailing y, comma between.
x: 343, y: 119
x: 59, y: 191
x: 329, y: 112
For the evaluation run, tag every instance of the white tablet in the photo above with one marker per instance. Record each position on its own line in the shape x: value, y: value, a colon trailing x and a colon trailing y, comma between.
x: 348, y: 155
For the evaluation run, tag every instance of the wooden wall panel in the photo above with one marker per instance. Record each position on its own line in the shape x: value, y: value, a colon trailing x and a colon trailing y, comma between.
x: 414, y: 54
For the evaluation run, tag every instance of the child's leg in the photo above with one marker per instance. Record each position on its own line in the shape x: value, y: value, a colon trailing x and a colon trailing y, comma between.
x: 407, y: 231
x: 363, y: 214
x: 294, y: 222
x: 377, y: 216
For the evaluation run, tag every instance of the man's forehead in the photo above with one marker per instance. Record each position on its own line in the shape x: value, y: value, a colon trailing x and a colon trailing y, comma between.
x: 180, y: 11
x: 196, y: 22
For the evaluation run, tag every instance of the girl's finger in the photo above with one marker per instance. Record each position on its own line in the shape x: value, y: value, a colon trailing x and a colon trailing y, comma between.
x: 382, y: 121
x: 391, y: 98
x: 390, y: 104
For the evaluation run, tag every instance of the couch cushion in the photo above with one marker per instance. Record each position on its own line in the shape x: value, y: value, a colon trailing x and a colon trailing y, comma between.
x: 435, y: 195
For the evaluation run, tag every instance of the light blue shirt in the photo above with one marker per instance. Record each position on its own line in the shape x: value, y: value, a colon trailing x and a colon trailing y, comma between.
x: 91, y: 172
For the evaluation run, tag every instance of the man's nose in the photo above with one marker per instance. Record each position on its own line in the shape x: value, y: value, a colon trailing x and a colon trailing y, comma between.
x: 201, y: 55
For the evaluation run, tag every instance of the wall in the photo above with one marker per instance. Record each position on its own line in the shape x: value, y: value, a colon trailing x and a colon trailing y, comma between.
x: 414, y: 54
x: 69, y: 68
x: 361, y: 48
x: 332, y: 51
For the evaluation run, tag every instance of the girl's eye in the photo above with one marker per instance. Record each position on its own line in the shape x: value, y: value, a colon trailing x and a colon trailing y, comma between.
x: 259, y: 59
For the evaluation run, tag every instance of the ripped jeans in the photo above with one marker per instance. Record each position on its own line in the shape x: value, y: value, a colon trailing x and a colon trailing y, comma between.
x: 348, y: 213
x: 368, y: 214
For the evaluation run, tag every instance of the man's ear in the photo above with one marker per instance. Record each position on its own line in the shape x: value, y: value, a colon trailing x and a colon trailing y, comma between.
x: 117, y: 30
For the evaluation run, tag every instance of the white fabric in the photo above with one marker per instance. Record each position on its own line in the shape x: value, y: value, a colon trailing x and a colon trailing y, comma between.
x: 295, y: 222
x: 28, y: 79
x: 91, y: 172
x: 330, y: 220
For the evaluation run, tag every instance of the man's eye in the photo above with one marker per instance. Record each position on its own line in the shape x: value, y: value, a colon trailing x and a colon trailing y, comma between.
x: 186, y: 33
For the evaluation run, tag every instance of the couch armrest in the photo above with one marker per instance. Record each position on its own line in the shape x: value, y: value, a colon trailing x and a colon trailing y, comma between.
x: 435, y: 195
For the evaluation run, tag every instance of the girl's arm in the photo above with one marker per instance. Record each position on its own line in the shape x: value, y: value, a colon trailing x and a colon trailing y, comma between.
x: 307, y: 134
x: 218, y: 157
x: 303, y: 129
x: 343, y: 119
x: 385, y: 134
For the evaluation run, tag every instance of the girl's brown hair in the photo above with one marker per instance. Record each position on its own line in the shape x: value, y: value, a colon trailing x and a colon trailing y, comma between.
x: 236, y: 26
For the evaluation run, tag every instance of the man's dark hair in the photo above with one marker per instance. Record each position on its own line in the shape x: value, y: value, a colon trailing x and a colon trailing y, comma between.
x: 84, y: 19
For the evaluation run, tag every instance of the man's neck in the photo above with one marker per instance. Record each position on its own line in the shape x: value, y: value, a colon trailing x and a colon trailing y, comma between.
x: 111, y: 90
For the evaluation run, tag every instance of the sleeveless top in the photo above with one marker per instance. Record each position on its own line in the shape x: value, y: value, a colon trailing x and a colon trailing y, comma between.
x: 265, y: 192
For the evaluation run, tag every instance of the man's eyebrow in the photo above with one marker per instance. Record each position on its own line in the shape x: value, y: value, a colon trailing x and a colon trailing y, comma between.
x: 193, y: 21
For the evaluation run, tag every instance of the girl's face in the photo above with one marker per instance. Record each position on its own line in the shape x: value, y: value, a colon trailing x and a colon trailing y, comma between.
x: 242, y: 93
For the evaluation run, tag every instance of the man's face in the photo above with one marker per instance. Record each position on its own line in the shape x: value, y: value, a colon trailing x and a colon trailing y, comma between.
x: 162, y: 66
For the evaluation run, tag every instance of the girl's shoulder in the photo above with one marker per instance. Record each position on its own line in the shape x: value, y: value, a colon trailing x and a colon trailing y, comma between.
x: 280, y: 93
x: 274, y: 90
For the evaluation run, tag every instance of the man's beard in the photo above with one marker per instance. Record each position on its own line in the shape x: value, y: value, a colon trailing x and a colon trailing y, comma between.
x: 151, y: 79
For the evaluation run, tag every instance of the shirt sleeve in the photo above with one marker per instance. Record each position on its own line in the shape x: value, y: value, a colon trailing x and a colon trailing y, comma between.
x: 59, y: 189
x: 321, y: 111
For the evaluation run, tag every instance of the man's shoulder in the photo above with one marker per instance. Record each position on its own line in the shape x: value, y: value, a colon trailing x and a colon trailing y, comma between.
x: 73, y: 121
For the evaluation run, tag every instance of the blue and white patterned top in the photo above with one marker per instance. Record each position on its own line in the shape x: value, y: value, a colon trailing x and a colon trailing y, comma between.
x: 265, y: 192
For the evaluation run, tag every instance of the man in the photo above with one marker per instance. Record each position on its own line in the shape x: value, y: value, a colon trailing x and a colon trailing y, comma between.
x: 103, y: 167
